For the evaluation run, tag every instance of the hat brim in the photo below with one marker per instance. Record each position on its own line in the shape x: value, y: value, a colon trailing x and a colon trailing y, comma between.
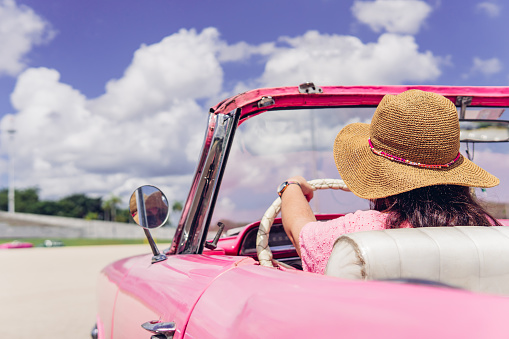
x: 371, y: 176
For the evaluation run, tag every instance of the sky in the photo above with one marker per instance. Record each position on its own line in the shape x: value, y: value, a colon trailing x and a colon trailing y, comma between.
x: 106, y: 95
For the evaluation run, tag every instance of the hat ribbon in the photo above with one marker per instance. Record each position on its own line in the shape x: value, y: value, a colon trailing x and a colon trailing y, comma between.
x: 408, y: 162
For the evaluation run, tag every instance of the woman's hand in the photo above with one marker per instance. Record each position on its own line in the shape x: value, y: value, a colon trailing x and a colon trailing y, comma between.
x: 306, y: 188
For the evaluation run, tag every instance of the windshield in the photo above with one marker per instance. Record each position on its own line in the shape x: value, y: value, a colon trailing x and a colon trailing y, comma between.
x: 275, y: 145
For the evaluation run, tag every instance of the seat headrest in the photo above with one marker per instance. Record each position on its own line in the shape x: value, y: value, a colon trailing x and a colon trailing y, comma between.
x: 471, y: 257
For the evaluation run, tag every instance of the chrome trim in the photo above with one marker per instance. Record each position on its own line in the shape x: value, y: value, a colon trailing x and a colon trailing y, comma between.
x: 189, y: 207
x: 193, y: 226
x: 289, y: 259
x: 266, y: 101
x: 166, y: 329
x: 142, y: 213
x: 295, y: 262
x: 463, y: 101
x: 309, y: 88
x: 281, y: 248
x: 158, y: 257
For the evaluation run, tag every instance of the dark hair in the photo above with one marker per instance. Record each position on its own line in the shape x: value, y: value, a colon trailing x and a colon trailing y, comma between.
x: 433, y: 206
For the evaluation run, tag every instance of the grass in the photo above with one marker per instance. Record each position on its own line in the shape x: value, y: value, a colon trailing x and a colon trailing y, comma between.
x: 80, y: 241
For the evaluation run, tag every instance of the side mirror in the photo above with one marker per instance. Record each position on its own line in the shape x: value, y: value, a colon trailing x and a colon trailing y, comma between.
x: 484, y: 130
x: 149, y: 207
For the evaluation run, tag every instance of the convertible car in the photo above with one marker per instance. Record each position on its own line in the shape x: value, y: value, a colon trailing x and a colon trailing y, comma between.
x: 231, y: 271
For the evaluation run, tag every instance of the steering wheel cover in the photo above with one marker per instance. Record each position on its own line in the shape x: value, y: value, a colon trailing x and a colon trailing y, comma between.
x: 262, y: 238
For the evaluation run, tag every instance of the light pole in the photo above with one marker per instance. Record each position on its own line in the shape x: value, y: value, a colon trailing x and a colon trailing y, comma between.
x: 11, y: 132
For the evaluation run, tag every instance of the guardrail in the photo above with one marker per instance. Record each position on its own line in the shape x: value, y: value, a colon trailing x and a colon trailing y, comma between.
x: 78, y: 228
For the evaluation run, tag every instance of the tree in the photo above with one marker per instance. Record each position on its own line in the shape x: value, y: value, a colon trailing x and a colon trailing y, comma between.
x: 110, y: 207
x: 177, y: 206
x: 78, y: 206
x: 73, y: 206
x: 123, y: 215
x: 25, y: 200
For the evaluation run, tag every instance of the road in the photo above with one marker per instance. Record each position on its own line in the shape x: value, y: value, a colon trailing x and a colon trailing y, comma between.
x: 50, y: 292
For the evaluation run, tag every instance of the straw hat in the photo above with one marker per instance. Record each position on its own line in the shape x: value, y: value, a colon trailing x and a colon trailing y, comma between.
x: 412, y: 142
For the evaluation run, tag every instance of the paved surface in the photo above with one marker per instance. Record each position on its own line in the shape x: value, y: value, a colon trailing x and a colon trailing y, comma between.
x: 51, y: 292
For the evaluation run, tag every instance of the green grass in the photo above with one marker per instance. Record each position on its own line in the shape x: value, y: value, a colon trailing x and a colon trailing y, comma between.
x: 80, y: 241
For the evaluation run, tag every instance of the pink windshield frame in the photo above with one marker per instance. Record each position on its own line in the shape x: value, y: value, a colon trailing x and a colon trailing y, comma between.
x: 246, y: 105
x: 337, y: 96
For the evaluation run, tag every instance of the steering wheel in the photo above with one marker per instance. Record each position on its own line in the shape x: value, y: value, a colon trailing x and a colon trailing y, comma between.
x: 262, y: 239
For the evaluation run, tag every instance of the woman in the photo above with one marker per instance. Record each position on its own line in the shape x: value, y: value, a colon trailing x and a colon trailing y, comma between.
x: 406, y: 162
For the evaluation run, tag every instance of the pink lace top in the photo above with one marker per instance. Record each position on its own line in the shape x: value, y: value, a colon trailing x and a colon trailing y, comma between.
x: 317, y: 238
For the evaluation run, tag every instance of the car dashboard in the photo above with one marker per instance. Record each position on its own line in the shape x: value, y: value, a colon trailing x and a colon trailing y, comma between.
x: 279, y: 243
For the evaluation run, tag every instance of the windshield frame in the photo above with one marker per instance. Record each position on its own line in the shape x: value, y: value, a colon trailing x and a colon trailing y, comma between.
x: 225, y: 117
x: 193, y: 226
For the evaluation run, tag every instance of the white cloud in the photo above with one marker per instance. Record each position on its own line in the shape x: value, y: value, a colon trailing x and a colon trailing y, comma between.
x: 346, y: 60
x: 183, y: 66
x: 487, y: 66
x: 489, y: 8
x: 394, y: 16
x: 148, y: 126
x: 243, y: 51
x: 20, y: 30
x: 63, y: 147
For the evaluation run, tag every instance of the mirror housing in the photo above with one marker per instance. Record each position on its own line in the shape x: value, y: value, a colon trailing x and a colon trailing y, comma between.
x: 481, y: 130
x: 148, y: 207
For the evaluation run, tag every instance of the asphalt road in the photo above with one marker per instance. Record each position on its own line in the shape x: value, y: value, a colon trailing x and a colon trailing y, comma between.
x: 51, y: 292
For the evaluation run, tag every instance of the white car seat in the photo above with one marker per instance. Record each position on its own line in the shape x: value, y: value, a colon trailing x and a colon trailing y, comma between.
x: 470, y: 257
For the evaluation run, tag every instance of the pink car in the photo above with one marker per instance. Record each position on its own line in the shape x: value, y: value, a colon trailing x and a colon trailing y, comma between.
x: 456, y: 287
x: 16, y: 244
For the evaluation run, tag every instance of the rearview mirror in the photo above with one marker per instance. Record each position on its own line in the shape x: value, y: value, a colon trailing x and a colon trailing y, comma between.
x: 484, y: 130
x: 149, y: 207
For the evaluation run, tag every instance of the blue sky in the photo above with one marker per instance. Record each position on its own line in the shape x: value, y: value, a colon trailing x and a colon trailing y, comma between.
x: 80, y: 79
x: 94, y: 40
